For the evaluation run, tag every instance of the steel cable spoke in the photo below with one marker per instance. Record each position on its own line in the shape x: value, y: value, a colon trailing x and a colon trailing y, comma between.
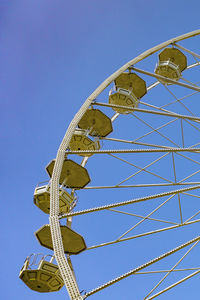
x: 172, y: 269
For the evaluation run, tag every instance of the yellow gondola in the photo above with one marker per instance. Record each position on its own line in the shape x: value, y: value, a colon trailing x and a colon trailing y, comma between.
x: 129, y: 88
x: 80, y: 141
x: 73, y: 242
x: 42, y: 276
x: 73, y: 175
x: 96, y: 122
x: 171, y: 63
x: 42, y: 199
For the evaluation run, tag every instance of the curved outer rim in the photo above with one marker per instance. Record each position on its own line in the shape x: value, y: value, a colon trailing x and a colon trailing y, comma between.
x: 66, y: 272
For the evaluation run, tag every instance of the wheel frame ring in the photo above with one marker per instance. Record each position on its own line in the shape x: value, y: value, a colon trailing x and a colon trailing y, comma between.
x: 66, y: 272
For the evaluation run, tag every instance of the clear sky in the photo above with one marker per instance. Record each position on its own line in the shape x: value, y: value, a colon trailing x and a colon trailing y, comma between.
x: 53, y: 54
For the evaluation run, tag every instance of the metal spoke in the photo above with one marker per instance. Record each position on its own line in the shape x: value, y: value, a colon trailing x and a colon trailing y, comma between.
x: 141, y: 169
x: 193, y: 160
x: 153, y: 85
x: 142, y: 217
x: 172, y: 269
x: 180, y: 99
x: 196, y: 214
x: 109, y: 283
x: 153, y: 112
x: 167, y: 88
x: 149, y: 150
x: 192, y: 125
x: 132, y: 142
x: 140, y: 185
x: 141, y: 221
x: 196, y: 196
x: 179, y: 200
x: 156, y: 107
x: 155, y: 130
x: 182, y: 134
x: 84, y: 161
x: 142, y: 235
x: 193, y: 65
x: 115, y: 117
x: 173, y: 285
x: 197, y: 144
x: 167, y: 79
x: 187, y: 50
x: 184, y: 79
x: 150, y: 197
x: 189, y: 176
x: 164, y: 271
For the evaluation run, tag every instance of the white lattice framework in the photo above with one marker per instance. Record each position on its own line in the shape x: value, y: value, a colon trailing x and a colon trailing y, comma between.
x: 67, y: 274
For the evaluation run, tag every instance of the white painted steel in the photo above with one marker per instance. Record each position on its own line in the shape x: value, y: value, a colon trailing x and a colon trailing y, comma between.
x: 94, y: 209
x: 144, y: 266
x: 63, y: 265
x: 168, y: 114
x: 150, y: 150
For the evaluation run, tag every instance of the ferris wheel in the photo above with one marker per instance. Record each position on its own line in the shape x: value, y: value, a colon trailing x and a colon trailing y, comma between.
x: 127, y: 173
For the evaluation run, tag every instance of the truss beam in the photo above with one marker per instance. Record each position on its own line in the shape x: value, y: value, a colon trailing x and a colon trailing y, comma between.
x: 155, y: 112
x: 149, y: 150
x: 192, y: 87
x: 155, y: 196
x: 133, y: 271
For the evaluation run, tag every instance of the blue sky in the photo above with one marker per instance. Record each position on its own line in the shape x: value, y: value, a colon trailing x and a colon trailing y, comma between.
x: 53, y: 54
